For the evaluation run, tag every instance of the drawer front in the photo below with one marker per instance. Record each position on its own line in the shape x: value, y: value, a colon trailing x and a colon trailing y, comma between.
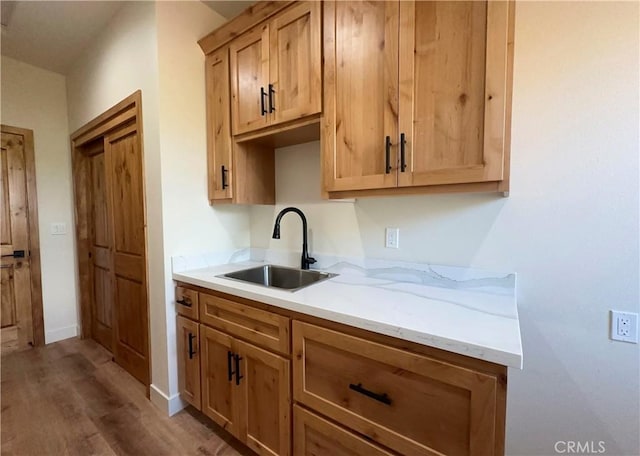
x: 315, y: 436
x: 407, y: 402
x: 263, y: 328
x: 187, y: 302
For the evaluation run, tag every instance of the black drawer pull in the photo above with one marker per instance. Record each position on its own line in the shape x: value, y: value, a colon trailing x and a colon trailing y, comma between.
x: 185, y: 302
x: 229, y: 368
x: 378, y: 397
x: 191, y: 350
x: 238, y: 376
x: 387, y: 155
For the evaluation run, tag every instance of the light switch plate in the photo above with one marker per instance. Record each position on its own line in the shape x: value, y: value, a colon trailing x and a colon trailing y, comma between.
x: 58, y: 228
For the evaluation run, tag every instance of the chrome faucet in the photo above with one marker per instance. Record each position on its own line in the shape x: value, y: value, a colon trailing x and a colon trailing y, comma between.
x: 306, y: 260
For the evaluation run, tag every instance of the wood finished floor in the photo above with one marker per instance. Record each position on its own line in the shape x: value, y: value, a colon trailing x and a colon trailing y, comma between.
x: 70, y: 398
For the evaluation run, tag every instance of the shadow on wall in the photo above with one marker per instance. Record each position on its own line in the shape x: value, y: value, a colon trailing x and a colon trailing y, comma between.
x: 442, y: 229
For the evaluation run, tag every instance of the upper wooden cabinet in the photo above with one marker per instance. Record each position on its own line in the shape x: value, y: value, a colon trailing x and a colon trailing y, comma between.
x: 417, y: 94
x: 237, y: 173
x: 276, y: 70
x: 219, y: 143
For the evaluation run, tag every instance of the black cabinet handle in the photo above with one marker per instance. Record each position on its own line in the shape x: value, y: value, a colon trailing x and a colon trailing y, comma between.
x: 378, y: 397
x: 238, y: 376
x: 272, y: 105
x: 224, y: 177
x: 185, y: 302
x: 263, y: 94
x: 387, y: 152
x: 191, y: 350
x: 229, y: 368
x: 403, y: 142
x: 15, y: 254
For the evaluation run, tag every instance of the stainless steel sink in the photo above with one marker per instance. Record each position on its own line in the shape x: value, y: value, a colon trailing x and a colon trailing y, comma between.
x: 279, y: 277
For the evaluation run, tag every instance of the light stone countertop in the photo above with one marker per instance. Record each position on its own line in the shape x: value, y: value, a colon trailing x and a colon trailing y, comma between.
x: 464, y: 311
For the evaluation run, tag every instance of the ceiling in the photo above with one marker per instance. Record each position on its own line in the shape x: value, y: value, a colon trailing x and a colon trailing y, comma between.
x: 228, y: 9
x: 52, y: 34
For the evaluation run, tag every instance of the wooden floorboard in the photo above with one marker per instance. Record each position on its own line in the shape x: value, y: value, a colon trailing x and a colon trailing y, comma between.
x: 69, y: 398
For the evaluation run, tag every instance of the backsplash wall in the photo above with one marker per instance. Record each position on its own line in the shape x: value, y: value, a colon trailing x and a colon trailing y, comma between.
x: 569, y: 228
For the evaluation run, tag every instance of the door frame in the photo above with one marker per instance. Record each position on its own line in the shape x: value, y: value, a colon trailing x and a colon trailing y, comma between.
x: 34, y: 233
x: 128, y: 112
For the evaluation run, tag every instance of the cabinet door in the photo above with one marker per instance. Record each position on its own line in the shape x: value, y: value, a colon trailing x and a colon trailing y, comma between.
x: 295, y: 63
x: 219, y: 392
x: 189, y: 361
x: 453, y: 65
x: 361, y: 95
x: 219, y: 144
x: 249, y: 55
x: 266, y: 401
x: 315, y: 436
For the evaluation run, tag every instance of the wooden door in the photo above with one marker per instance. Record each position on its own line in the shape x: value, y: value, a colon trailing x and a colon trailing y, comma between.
x: 315, y: 436
x: 102, y: 298
x: 265, y: 401
x: 452, y: 103
x: 219, y: 144
x: 361, y: 95
x: 188, y: 336
x: 249, y: 58
x: 219, y: 391
x: 123, y: 162
x: 295, y: 60
x: 16, y: 312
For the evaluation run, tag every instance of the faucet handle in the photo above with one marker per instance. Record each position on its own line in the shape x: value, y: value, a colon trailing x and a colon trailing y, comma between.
x: 311, y: 260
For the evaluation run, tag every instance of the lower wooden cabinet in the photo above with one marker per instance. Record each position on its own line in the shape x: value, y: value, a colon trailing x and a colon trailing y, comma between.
x: 265, y: 400
x: 246, y: 390
x: 355, y: 393
x: 316, y: 436
x: 408, y: 402
x: 189, y: 360
x: 219, y: 395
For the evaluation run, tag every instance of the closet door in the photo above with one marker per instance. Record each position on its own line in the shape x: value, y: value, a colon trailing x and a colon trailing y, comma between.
x: 123, y: 163
x: 101, y: 261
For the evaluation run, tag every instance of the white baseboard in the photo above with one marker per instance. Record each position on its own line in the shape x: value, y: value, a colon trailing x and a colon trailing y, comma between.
x: 169, y: 405
x: 54, y: 335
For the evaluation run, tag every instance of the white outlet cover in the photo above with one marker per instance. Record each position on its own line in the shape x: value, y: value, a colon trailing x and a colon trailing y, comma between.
x: 624, y: 326
x: 392, y: 238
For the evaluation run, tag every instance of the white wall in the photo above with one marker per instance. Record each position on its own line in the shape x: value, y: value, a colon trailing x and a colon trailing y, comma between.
x: 190, y: 225
x: 123, y: 59
x: 153, y: 46
x: 35, y: 99
x: 570, y: 228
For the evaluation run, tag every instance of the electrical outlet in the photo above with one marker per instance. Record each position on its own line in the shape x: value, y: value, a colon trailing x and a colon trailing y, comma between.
x: 392, y: 239
x: 624, y: 326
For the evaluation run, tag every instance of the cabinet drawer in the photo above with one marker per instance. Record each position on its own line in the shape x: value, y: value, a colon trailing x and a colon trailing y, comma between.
x: 187, y: 302
x: 313, y: 435
x: 263, y: 328
x: 407, y: 402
